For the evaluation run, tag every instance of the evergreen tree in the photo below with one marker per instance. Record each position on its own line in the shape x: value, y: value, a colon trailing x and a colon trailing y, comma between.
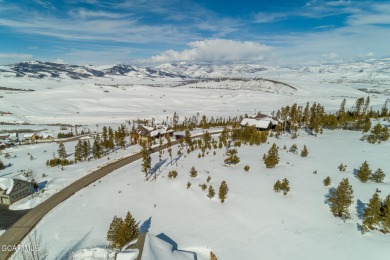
x: 211, y: 192
x: 128, y: 231
x: 372, y: 214
x: 2, y: 166
x: 78, y: 151
x: 188, y: 185
x: 386, y: 215
x: 304, y: 151
x: 187, y: 138
x: 232, y: 157
x: 277, y: 186
x: 193, y: 172
x: 169, y: 143
x: 377, y: 176
x: 61, y: 151
x: 364, y: 172
x: 327, y: 181
x: 223, y: 191
x: 146, y: 159
x: 97, y: 150
x: 341, y: 199
x: 112, y: 234
x: 293, y: 148
x: 342, y: 167
x: 208, y: 179
x: 272, y: 158
x: 284, y: 186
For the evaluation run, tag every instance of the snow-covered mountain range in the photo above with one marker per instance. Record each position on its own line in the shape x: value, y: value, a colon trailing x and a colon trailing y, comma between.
x: 367, y: 70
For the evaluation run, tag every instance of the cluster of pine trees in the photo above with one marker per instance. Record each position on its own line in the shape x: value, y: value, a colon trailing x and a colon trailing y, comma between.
x: 102, y: 144
x: 377, y: 134
x: 232, y: 157
x: 197, y: 121
x: 122, y: 231
x: 249, y: 135
x: 364, y: 174
x: 377, y: 215
x: 65, y: 135
x: 283, y: 185
x: 61, y: 159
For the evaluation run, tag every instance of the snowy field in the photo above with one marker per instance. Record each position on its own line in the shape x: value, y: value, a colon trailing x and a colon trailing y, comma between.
x: 254, y: 222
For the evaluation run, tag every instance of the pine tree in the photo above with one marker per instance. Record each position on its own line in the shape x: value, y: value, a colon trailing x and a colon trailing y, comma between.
x: 169, y: 143
x: 327, y: 181
x: 232, y: 157
x: 293, y: 148
x: 146, y: 159
x: 377, y: 176
x: 188, y: 185
x: 187, y: 138
x: 96, y: 150
x: 61, y: 151
x: 342, y: 167
x: 112, y: 233
x: 341, y: 199
x: 208, y: 179
x: 372, y: 214
x: 128, y: 231
x: 193, y: 172
x: 277, y: 186
x: 211, y: 192
x: 304, y: 151
x: 2, y: 166
x: 364, y: 172
x: 223, y: 191
x: 284, y: 186
x: 272, y: 158
x: 78, y: 151
x: 386, y: 215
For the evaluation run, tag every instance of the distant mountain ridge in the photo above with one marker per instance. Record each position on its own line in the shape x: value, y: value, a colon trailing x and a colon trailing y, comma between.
x: 38, y: 69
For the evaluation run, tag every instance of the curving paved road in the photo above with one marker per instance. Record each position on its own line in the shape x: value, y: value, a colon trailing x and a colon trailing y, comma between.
x: 15, y: 234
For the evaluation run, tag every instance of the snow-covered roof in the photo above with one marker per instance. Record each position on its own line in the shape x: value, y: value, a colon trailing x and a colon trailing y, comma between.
x: 6, y: 184
x: 153, y: 131
x: 45, y: 135
x: 258, y: 123
x: 157, y: 249
x: 29, y: 135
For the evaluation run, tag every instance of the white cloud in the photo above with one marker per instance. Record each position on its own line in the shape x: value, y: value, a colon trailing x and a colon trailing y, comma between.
x: 269, y: 17
x: 216, y: 50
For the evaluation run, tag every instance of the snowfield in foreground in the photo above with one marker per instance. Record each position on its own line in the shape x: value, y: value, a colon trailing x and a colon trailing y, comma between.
x: 254, y: 222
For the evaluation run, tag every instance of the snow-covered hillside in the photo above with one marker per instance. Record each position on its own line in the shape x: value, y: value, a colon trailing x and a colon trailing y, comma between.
x: 254, y: 222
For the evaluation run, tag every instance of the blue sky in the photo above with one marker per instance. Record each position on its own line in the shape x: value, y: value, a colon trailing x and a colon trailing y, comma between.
x: 273, y: 32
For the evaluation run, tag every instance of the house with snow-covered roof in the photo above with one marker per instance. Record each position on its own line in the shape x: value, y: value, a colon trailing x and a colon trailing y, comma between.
x: 147, y: 134
x: 12, y: 190
x: 260, y: 121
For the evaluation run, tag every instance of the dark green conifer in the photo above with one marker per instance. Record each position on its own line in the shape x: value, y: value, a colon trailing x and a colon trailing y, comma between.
x: 341, y: 199
x: 193, y: 172
x: 372, y: 213
x: 304, y: 151
x: 364, y: 172
x: 223, y: 191
x: 377, y: 176
x: 272, y: 158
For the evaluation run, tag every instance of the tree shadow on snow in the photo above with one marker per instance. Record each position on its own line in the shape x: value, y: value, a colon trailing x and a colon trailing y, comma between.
x: 66, y: 253
x: 355, y: 172
x: 177, y: 159
x: 42, y: 185
x: 144, y: 228
x: 360, y: 208
x: 329, y: 195
x: 174, y: 245
x: 157, y: 166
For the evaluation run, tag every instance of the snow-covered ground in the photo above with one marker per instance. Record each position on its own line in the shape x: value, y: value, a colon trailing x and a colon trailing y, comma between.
x: 254, y: 222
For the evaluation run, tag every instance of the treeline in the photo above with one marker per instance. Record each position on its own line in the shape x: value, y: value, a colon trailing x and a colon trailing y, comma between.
x: 314, y: 118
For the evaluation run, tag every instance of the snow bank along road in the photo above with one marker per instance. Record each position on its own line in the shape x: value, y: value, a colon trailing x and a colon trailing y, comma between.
x: 15, y: 234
